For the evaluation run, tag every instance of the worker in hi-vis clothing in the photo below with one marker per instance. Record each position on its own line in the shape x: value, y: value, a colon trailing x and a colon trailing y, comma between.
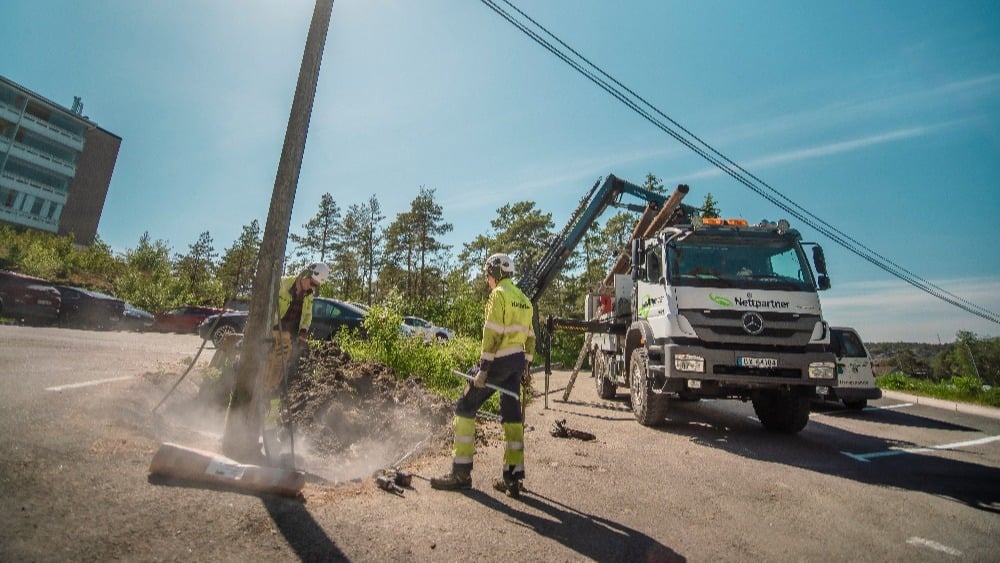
x: 291, y: 320
x: 508, y: 343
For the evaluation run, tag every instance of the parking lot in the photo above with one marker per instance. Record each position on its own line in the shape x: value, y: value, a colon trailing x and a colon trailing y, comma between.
x: 896, y: 481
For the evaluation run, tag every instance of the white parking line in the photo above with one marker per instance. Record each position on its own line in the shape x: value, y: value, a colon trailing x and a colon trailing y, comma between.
x: 921, y: 542
x: 953, y: 446
x: 87, y: 383
x: 899, y: 406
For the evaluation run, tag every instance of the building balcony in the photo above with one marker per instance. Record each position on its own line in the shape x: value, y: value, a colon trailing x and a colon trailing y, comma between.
x: 31, y: 187
x: 43, y: 128
x: 38, y: 158
x: 16, y: 217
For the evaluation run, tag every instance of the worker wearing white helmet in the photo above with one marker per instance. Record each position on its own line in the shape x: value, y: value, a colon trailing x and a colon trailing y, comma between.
x: 508, y: 344
x: 292, y: 317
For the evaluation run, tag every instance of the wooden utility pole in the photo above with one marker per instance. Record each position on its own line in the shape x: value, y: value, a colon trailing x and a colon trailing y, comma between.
x: 243, y: 421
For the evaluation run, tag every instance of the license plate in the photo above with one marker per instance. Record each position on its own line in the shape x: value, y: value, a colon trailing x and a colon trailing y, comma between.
x: 748, y: 362
x: 44, y: 302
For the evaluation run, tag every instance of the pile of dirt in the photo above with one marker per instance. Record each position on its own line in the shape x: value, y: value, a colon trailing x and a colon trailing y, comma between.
x: 338, y: 405
x: 350, y: 418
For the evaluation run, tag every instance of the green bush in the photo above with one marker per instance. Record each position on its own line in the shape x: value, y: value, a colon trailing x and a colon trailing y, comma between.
x: 958, y: 388
x: 413, y: 357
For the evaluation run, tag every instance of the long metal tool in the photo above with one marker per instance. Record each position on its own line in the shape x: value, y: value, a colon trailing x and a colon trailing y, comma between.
x: 490, y: 385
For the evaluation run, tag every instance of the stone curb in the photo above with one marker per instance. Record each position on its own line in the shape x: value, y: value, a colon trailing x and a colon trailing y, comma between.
x: 967, y: 408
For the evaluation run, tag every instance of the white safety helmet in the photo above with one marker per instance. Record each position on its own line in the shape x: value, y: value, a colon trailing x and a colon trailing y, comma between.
x: 318, y: 271
x: 499, y: 266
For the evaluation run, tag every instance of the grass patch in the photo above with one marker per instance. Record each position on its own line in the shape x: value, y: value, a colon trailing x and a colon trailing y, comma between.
x: 413, y: 357
x: 961, y: 389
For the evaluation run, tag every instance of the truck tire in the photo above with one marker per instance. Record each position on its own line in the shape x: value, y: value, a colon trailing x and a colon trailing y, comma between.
x: 606, y: 389
x: 649, y: 408
x: 782, y: 413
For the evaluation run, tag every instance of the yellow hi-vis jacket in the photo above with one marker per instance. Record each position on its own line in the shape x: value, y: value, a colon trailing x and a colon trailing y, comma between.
x: 285, y: 300
x: 508, y: 328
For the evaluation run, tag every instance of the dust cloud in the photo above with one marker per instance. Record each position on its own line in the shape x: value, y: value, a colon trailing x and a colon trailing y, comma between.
x: 349, y: 419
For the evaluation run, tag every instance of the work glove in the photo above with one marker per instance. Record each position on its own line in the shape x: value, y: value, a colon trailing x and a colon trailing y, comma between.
x: 480, y: 380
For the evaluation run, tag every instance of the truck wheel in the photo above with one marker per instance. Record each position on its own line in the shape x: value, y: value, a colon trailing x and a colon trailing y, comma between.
x: 649, y: 408
x: 606, y: 389
x: 782, y: 413
x: 856, y: 405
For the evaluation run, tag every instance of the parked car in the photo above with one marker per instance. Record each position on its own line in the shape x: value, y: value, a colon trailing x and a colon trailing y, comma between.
x: 28, y: 299
x: 415, y: 326
x: 855, y: 373
x: 136, y: 319
x: 84, y: 308
x: 183, y: 319
x: 329, y: 317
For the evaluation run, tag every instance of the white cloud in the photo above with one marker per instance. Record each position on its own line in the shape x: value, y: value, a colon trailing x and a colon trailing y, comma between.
x: 896, y: 311
x: 824, y: 150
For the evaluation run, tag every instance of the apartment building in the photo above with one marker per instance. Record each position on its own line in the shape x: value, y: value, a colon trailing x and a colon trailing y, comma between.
x: 55, y: 164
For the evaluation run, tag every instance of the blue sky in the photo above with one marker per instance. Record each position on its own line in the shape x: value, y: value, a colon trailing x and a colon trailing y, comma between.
x: 882, y: 118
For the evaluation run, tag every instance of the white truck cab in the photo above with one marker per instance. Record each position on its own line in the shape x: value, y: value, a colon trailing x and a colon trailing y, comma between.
x: 855, y: 376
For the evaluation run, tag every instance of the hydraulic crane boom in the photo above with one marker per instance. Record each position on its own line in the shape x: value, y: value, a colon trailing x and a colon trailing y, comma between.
x: 536, y: 280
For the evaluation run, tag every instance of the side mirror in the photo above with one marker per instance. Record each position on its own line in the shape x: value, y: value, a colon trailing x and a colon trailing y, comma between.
x: 638, y: 258
x: 824, y: 283
x: 819, y: 260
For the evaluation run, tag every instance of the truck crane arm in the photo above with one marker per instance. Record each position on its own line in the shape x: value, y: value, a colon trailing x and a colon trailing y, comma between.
x: 537, y: 279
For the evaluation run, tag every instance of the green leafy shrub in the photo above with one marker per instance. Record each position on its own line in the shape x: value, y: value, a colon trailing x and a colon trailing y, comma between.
x: 958, y: 388
x: 413, y: 357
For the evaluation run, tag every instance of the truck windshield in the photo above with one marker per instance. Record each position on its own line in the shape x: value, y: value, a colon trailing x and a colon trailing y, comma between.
x: 751, y: 262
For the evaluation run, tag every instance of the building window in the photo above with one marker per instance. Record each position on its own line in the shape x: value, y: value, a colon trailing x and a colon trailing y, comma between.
x: 36, y: 207
x: 7, y: 197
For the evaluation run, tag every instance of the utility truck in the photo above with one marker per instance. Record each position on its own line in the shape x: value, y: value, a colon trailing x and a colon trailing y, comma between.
x: 710, y: 308
x: 716, y: 308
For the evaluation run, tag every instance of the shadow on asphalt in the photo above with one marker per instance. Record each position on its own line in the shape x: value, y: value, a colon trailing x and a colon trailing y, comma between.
x: 835, y: 451
x: 887, y: 416
x: 594, y: 538
x: 304, y: 535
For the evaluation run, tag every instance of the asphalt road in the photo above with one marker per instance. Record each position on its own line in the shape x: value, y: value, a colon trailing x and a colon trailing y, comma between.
x: 897, y: 481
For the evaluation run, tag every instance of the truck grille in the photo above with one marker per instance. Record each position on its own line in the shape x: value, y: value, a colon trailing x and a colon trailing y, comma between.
x: 780, y: 329
x: 787, y: 373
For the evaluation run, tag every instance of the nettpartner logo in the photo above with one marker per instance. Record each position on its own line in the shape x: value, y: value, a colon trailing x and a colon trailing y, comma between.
x: 749, y: 302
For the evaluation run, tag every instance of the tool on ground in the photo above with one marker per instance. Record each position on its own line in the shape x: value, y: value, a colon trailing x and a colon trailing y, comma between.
x: 560, y: 430
x: 392, y: 480
x: 388, y: 485
x: 489, y: 385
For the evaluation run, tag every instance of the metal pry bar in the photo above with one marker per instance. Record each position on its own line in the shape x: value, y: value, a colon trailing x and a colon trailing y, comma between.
x: 490, y: 385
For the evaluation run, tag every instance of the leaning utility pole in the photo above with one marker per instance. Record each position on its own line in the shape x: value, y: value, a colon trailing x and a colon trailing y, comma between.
x: 243, y: 421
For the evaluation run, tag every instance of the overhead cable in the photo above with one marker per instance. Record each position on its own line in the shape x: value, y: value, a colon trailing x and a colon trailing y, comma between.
x: 638, y: 104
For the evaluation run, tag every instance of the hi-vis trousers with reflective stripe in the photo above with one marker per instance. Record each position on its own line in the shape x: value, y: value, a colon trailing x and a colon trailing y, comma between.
x: 505, y: 373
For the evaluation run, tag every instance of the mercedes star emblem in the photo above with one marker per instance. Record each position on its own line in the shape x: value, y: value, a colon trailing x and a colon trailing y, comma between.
x: 753, y: 323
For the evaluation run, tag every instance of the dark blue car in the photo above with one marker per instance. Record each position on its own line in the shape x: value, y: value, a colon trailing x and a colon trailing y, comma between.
x: 329, y: 317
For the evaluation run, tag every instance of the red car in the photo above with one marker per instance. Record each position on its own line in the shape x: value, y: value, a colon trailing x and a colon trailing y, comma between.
x: 182, y: 319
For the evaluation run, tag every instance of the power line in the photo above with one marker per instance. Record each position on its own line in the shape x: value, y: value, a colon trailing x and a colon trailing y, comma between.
x: 638, y: 104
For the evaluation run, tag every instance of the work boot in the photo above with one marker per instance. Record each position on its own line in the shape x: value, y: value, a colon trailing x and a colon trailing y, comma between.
x: 511, y: 487
x: 452, y: 481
